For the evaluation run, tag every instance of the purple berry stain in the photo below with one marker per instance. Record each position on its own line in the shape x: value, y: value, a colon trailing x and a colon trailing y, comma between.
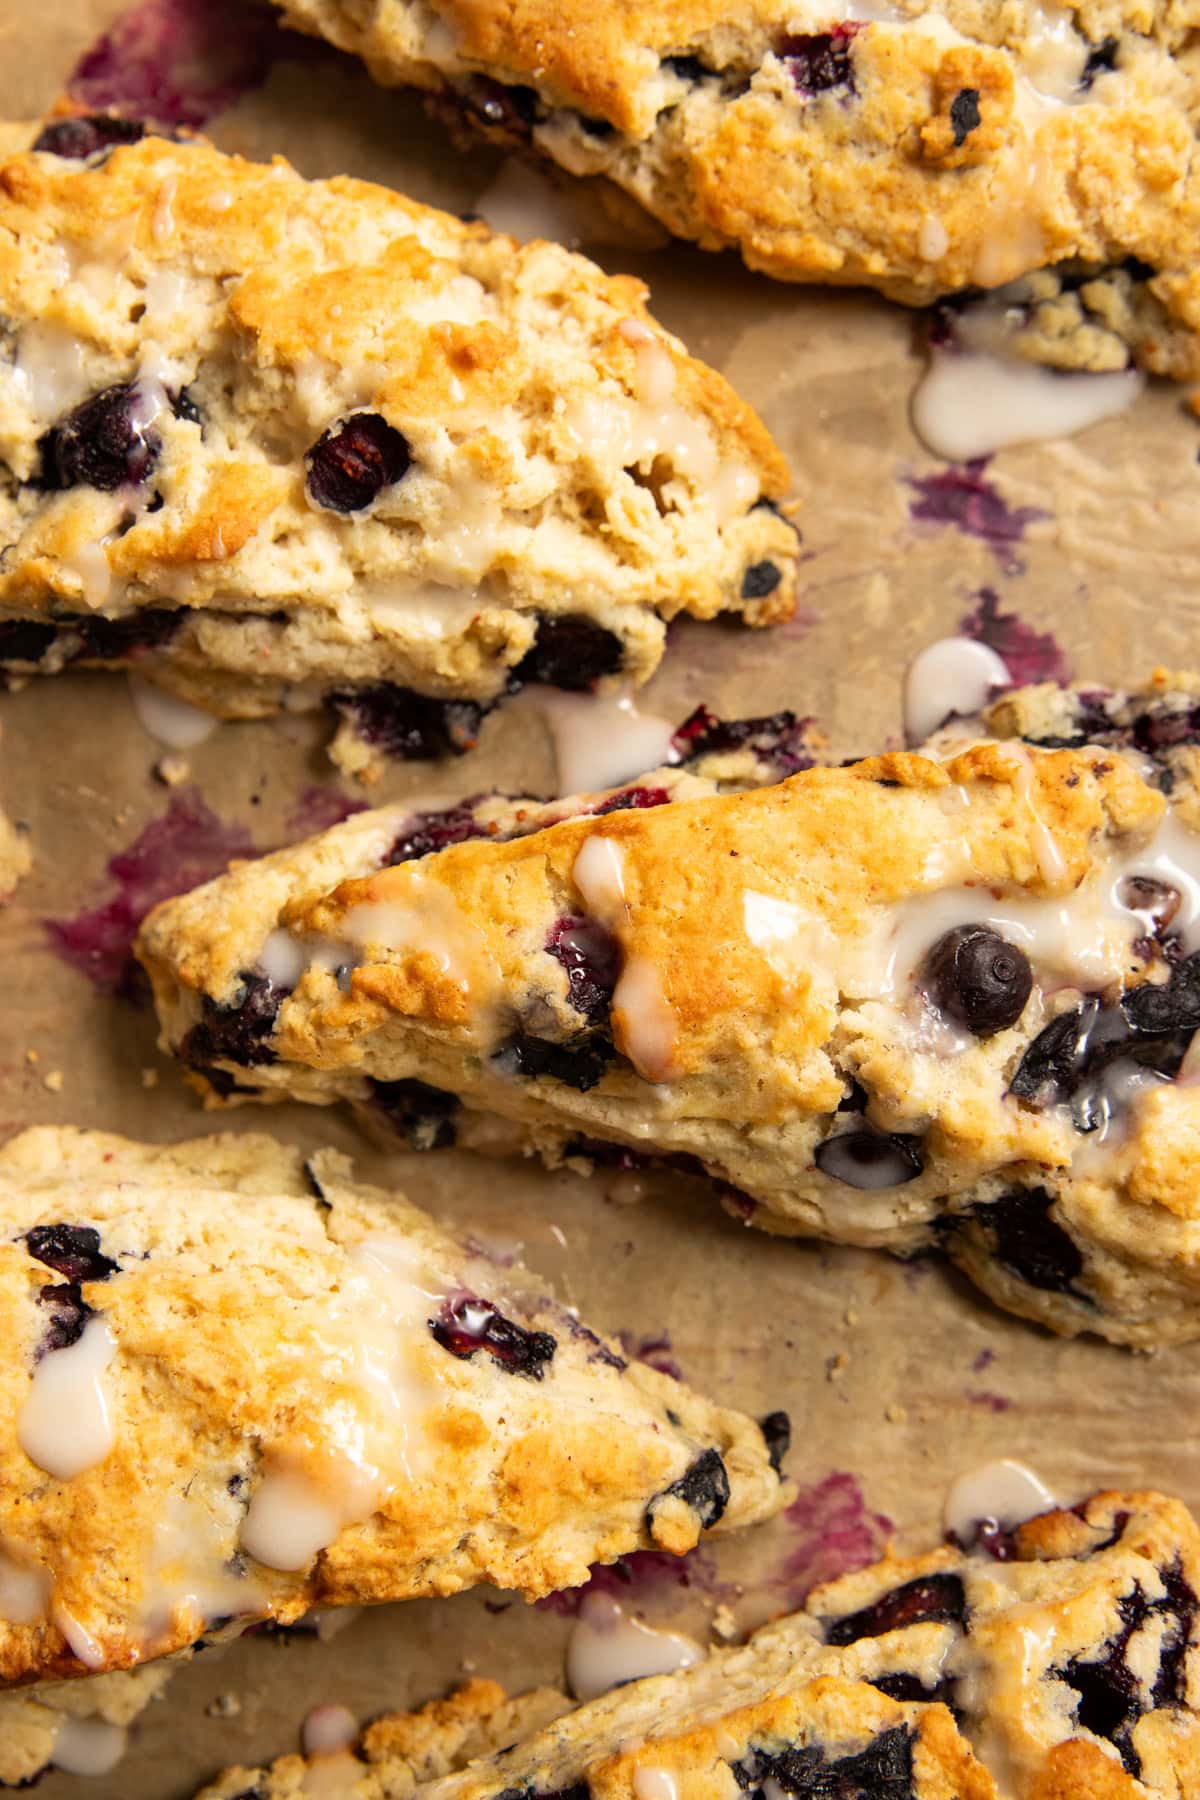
x: 1029, y: 655
x: 187, y: 845
x: 318, y: 808
x: 962, y: 496
x: 180, y: 62
x: 834, y: 1531
x: 656, y: 1351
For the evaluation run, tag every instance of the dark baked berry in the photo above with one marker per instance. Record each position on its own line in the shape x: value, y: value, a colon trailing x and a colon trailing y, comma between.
x: 25, y: 640
x: 569, y: 651
x: 578, y: 1790
x: 240, y: 1032
x: 1052, y: 1065
x: 68, y: 1313
x: 632, y: 799
x: 1162, y: 1009
x: 870, y: 1159
x: 777, y: 1435
x: 1155, y: 902
x: 977, y: 978
x: 760, y: 579
x: 901, y: 1686
x: 464, y: 1326
x: 965, y: 115
x: 688, y: 68
x: 591, y: 957
x: 70, y: 1250
x: 428, y: 832
x: 423, y: 1115
x: 352, y: 463
x: 1101, y: 60
x: 506, y: 111
x: 1029, y: 1242
x: 704, y: 1488
x: 414, y: 727
x: 882, y: 1770
x: 77, y: 139
x: 104, y: 443
x: 777, y: 739
x: 112, y: 640
x: 818, y: 61
x: 579, y: 1065
x: 930, y: 1598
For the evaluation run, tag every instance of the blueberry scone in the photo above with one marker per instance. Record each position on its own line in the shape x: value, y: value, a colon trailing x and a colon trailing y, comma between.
x: 1060, y: 1664
x: 239, y: 1386
x: 278, y: 441
x: 941, y: 999
x: 923, y: 147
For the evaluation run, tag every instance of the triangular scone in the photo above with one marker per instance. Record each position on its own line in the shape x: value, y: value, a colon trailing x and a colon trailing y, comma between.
x: 79, y: 1726
x: 1060, y: 1668
x: 238, y: 1386
x: 923, y: 150
x: 923, y: 1000
x: 274, y: 439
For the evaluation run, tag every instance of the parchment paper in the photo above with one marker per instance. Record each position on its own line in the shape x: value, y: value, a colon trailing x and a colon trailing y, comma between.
x: 897, y: 1378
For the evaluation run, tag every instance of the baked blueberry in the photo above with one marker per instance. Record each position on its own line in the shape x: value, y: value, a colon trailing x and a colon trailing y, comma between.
x: 239, y: 1032
x: 591, y: 957
x: 579, y: 1064
x: 929, y: 1597
x: 704, y: 1488
x: 413, y: 727
x: 633, y: 799
x: 882, y: 1770
x: 424, y: 1115
x: 350, y: 464
x: 569, y: 651
x: 103, y: 443
x: 870, y: 1159
x: 777, y: 739
x: 68, y: 1313
x: 430, y: 831
x: 818, y: 61
x: 777, y: 1435
x: 77, y: 139
x: 977, y: 978
x: 70, y: 1250
x: 1030, y: 1243
x: 464, y: 1326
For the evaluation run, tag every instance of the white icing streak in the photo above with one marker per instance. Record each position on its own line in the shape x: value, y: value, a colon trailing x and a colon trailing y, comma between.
x: 953, y: 677
x: 328, y: 1729
x: 607, y: 1648
x: 88, y: 1746
x: 655, y: 1784
x: 599, y: 875
x: 64, y: 1425
x: 289, y: 1520
x: 600, y: 740
x: 24, y: 1593
x: 172, y: 722
x: 972, y: 403
x: 1004, y: 1493
x: 641, y: 1010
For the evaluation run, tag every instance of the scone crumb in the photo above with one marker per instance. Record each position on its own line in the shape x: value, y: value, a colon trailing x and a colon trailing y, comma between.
x: 223, y: 1706
x: 850, y: 1316
x: 723, y: 1623
x: 32, y: 1057
x: 837, y: 1365
x: 173, y: 770
x: 149, y: 1078
x: 53, y: 1080
x: 896, y: 1414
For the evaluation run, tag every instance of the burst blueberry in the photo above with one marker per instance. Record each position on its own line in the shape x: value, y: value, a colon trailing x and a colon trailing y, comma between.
x: 105, y: 443
x: 354, y: 461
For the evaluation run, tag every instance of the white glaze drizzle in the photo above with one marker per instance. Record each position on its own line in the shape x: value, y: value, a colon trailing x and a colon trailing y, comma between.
x: 328, y: 1729
x: 607, y: 1648
x: 88, y: 1746
x: 1005, y: 1493
x: 954, y: 676
x: 64, y: 1425
x: 655, y: 1784
x: 640, y: 1006
x: 169, y: 721
x: 289, y: 1520
x: 600, y: 740
x: 599, y: 874
x: 970, y: 403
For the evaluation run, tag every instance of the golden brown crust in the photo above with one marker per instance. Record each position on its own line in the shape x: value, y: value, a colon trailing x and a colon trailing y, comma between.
x: 943, y: 146
x: 300, y: 1411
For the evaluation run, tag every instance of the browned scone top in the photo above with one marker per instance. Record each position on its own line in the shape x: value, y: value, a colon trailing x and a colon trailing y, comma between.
x: 769, y: 985
x: 271, y: 437
x: 1063, y: 1669
x: 925, y: 147
x: 239, y: 1386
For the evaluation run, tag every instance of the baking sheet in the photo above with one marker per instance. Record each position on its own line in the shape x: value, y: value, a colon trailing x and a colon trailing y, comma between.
x: 1080, y: 555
